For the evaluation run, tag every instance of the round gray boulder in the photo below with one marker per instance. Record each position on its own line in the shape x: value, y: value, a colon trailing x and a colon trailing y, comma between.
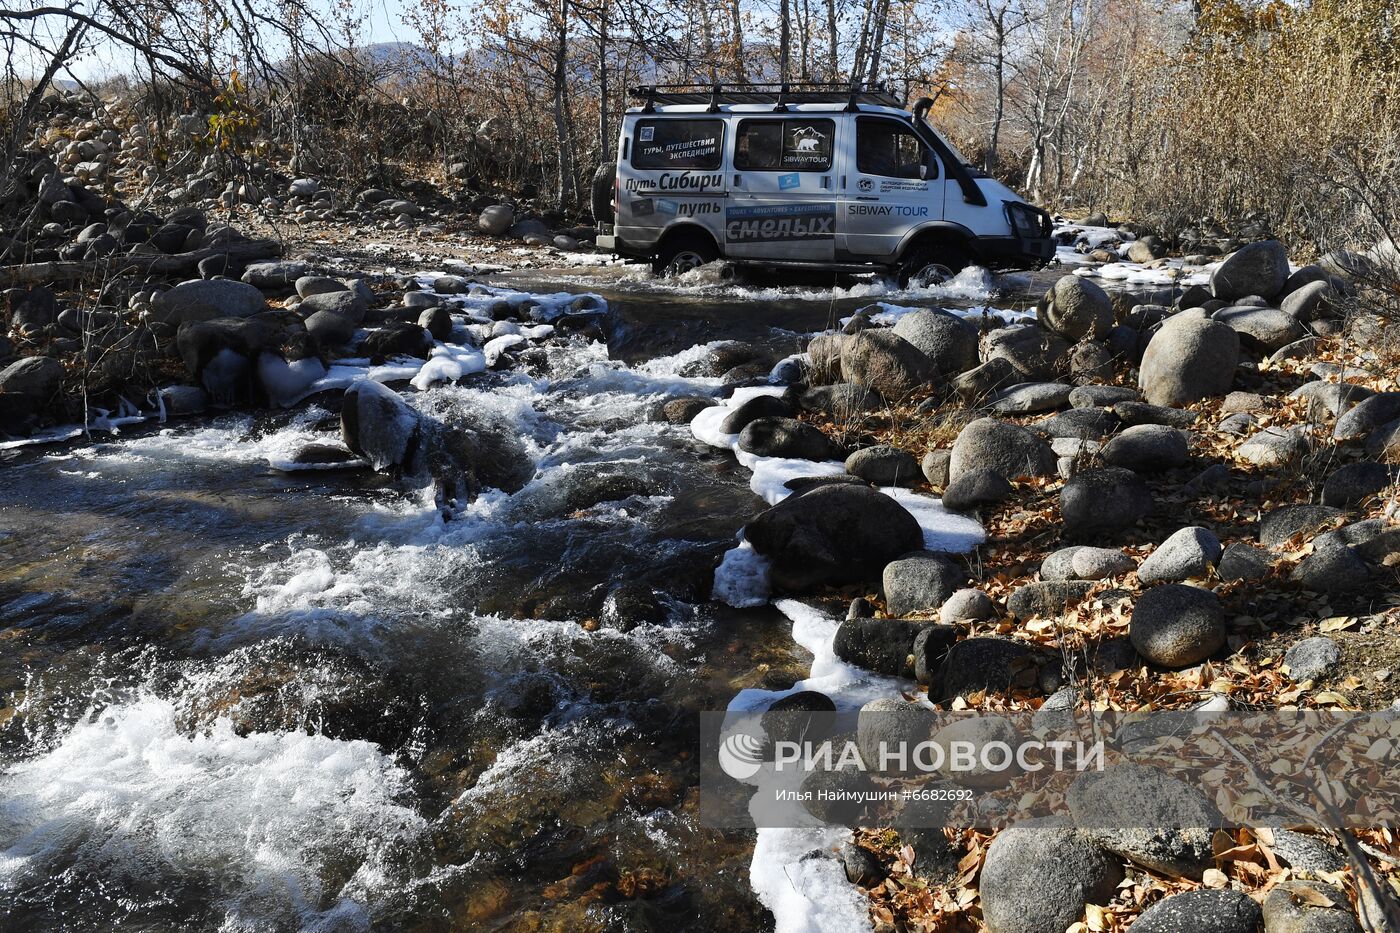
x: 1257, y: 269
x: 1177, y: 625
x: 1202, y: 911
x: 949, y: 342
x: 1147, y: 448
x: 1189, y: 358
x: 1075, y: 308
x: 884, y: 466
x: 920, y: 581
x: 1040, y: 878
x: 1189, y: 552
x: 1005, y: 448
x: 1104, y: 501
x: 880, y: 359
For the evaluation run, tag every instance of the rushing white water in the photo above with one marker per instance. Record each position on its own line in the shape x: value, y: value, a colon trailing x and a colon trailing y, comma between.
x: 141, y: 801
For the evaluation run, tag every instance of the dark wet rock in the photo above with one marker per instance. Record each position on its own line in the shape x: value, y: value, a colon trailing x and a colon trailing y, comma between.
x: 1076, y: 308
x: 1189, y: 552
x: 786, y: 437
x: 1278, y: 527
x: 1334, y: 569
x: 1292, y: 907
x: 1147, y: 816
x: 1140, y: 413
x: 330, y: 330
x: 684, y: 410
x: 437, y: 322
x: 1103, y: 501
x: 1046, y: 598
x: 1370, y: 414
x: 1189, y: 358
x: 860, y: 608
x: 396, y: 339
x: 1266, y: 328
x: 949, y: 342
x: 880, y: 645
x: 1035, y: 354
x: 861, y: 866
x: 378, y: 425
x: 800, y: 716
x: 1202, y: 911
x: 1354, y: 483
x: 183, y: 400
x: 996, y: 665
x: 1257, y: 269
x: 325, y: 456
x: 1096, y: 396
x: 32, y: 310
x: 931, y: 646
x: 1082, y: 423
x: 1273, y: 448
x: 833, y: 534
x: 884, y: 466
x: 1030, y: 397
x: 975, y: 489
x: 32, y: 381
x: 760, y: 406
x: 562, y: 492
x: 1147, y: 448
x: 1242, y: 561
x: 725, y: 355
x: 966, y: 605
x: 840, y: 400
x: 885, y: 362
x: 1040, y: 878
x: 936, y: 466
x: 221, y: 353
x: 804, y: 483
x: 1177, y: 625
x: 204, y: 300
x: 1312, y: 658
x: 630, y: 604
x: 920, y: 580
x: 1005, y: 448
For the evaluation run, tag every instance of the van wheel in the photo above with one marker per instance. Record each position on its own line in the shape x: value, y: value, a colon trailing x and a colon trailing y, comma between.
x: 683, y: 254
x: 932, y: 264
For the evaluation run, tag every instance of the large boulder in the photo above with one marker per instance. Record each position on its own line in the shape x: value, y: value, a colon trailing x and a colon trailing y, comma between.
x: 760, y: 406
x: 884, y: 465
x: 919, y: 582
x: 347, y: 304
x: 1038, y: 879
x: 204, y: 300
x: 1002, y: 447
x: 1257, y: 269
x: 1076, y: 308
x: 496, y: 219
x: 1313, y: 301
x: 398, y: 338
x: 995, y: 665
x: 880, y: 359
x: 32, y: 380
x: 880, y: 645
x: 1309, y: 907
x: 222, y: 353
x: 1189, y: 358
x: 949, y: 342
x: 1105, y: 501
x: 786, y: 437
x: 832, y: 534
x: 1177, y: 625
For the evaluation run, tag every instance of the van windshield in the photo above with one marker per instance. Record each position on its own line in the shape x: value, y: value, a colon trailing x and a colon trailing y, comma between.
x: 962, y: 159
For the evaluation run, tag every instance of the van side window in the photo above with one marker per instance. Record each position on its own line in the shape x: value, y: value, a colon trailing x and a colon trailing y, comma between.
x: 884, y: 147
x: 784, y: 145
x: 677, y: 144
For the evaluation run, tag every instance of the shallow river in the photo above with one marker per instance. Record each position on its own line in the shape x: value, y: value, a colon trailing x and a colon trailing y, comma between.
x: 233, y: 698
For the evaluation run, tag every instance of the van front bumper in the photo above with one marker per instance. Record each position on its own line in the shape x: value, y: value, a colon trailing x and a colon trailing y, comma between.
x: 1015, y: 251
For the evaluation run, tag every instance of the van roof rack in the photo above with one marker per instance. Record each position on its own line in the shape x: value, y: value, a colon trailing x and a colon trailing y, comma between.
x: 779, y: 95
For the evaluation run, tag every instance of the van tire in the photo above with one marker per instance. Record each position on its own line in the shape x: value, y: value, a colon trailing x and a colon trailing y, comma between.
x: 600, y: 193
x: 933, y: 262
x: 681, y: 252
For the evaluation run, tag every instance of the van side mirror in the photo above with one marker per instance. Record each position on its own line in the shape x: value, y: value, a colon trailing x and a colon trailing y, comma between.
x: 923, y: 171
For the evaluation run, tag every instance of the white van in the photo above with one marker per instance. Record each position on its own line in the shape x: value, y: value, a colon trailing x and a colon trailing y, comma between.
x: 816, y: 176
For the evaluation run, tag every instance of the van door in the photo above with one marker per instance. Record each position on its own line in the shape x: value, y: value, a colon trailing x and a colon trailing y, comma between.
x: 893, y: 182
x: 673, y: 172
x: 782, y: 196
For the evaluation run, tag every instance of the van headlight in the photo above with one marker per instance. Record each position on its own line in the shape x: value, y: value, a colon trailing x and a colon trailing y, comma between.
x: 1027, y: 222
